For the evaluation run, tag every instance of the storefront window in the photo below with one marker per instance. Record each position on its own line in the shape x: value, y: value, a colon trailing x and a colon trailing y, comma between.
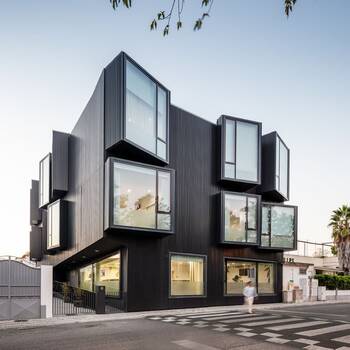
x: 266, y: 278
x: 187, y: 275
x: 105, y: 272
x: 238, y: 273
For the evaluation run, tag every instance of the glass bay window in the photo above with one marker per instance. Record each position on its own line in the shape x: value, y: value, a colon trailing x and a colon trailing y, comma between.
x: 241, y: 147
x: 279, y: 226
x: 146, y: 111
x: 57, y: 225
x: 139, y: 196
x: 240, y: 218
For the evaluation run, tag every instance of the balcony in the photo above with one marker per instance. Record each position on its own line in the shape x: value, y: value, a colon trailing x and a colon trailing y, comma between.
x: 240, y: 152
x: 139, y: 197
x: 136, y: 113
x: 240, y: 218
x: 279, y: 226
x: 275, y: 169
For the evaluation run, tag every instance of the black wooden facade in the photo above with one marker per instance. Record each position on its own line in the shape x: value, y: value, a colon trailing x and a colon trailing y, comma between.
x: 194, y: 153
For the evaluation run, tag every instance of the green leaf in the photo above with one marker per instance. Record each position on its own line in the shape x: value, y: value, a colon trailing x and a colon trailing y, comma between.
x: 179, y: 25
x: 154, y: 25
x: 198, y: 24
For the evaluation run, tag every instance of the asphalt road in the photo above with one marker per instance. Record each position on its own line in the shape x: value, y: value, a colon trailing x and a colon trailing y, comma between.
x: 286, y: 328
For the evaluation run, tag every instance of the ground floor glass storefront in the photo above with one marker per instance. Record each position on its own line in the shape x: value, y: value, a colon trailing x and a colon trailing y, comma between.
x: 238, y: 273
x: 105, y: 272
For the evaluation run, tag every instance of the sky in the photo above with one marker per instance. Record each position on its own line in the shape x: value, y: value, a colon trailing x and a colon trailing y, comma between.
x: 249, y: 61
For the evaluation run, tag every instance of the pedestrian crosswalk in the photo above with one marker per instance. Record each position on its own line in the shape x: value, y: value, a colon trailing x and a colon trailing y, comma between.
x: 302, y: 332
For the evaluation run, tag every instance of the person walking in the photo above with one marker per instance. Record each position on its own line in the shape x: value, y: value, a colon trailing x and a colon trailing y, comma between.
x: 249, y: 293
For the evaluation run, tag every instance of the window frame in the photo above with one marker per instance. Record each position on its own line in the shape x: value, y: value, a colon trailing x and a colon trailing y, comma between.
x: 62, y: 223
x: 159, y: 85
x: 109, y: 198
x: 295, y: 238
x: 256, y: 262
x: 257, y: 215
x: 278, y: 141
x: 41, y: 203
x: 205, y: 275
x: 93, y: 272
x: 224, y: 119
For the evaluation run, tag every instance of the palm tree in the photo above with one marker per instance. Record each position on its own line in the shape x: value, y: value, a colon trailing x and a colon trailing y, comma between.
x: 340, y: 223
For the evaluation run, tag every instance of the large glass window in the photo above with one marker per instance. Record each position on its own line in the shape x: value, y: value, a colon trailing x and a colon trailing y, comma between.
x: 238, y: 273
x: 141, y: 197
x: 187, y: 275
x: 240, y: 218
x: 282, y: 167
x: 44, y: 180
x: 278, y: 226
x: 53, y: 225
x: 241, y: 150
x: 145, y: 112
x: 102, y: 273
x: 107, y: 273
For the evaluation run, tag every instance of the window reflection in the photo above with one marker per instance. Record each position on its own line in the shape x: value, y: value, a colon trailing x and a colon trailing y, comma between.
x: 44, y: 180
x: 137, y: 202
x: 146, y: 112
x: 266, y: 278
x: 187, y: 275
x: 85, y: 278
x: 240, y: 218
x: 53, y: 225
x: 282, y: 171
x: 140, y: 108
x: 278, y: 226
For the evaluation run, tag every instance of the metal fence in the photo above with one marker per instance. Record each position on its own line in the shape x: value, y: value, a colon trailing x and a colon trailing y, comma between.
x: 68, y: 300
x: 312, y: 249
x: 19, y: 289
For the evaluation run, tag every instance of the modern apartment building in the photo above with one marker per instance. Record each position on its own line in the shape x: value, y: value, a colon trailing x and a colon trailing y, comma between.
x: 164, y: 208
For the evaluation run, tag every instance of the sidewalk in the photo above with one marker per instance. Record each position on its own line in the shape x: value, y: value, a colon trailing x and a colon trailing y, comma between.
x: 61, y: 320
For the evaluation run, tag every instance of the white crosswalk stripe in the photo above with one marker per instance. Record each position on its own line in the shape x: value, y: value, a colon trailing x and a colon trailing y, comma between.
x: 216, y: 318
x: 262, y: 323
x: 216, y: 315
x: 297, y: 325
x: 345, y: 339
x: 326, y: 330
x: 248, y: 319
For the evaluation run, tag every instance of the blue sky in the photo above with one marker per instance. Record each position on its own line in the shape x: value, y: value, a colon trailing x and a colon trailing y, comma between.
x: 248, y: 60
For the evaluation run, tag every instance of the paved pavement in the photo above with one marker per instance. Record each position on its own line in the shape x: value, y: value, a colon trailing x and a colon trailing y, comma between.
x: 305, y: 327
x: 140, y: 334
x: 318, y: 326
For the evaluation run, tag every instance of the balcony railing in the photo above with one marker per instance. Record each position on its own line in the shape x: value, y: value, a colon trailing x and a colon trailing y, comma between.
x: 312, y: 249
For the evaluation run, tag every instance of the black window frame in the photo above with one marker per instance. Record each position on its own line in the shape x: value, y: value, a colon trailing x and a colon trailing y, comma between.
x: 258, y: 218
x: 205, y: 275
x: 295, y: 238
x: 257, y: 262
x: 43, y: 205
x: 223, y: 121
x: 109, y: 198
x: 126, y: 59
x: 278, y: 153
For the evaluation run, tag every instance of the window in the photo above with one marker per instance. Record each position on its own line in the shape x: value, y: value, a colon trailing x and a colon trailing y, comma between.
x: 266, y: 278
x: 278, y: 226
x: 282, y: 168
x: 241, y: 150
x: 105, y: 272
x: 238, y: 273
x: 44, y: 180
x: 146, y: 112
x: 53, y: 225
x: 240, y: 217
x: 142, y: 196
x: 187, y: 275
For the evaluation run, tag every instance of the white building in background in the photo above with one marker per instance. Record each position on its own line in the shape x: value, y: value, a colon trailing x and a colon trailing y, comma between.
x: 301, y: 265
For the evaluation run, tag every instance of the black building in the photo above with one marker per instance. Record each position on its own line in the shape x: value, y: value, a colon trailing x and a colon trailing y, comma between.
x: 165, y: 209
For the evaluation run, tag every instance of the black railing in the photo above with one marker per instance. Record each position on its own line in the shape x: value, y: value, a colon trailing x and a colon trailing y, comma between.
x: 68, y: 300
